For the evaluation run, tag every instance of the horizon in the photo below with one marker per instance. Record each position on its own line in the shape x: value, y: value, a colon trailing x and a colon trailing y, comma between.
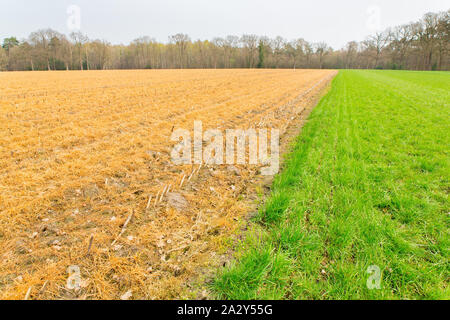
x: 362, y: 20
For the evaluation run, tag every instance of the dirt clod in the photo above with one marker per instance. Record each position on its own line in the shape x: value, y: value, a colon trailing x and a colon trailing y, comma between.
x: 177, y: 201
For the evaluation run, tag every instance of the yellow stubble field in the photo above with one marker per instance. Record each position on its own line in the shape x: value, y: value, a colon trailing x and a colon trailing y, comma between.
x: 81, y: 155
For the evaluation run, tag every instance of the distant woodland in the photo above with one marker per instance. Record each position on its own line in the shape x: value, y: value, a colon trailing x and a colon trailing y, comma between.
x: 422, y: 45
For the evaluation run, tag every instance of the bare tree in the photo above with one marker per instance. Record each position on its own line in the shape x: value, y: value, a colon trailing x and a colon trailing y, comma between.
x: 423, y: 45
x: 443, y: 37
x: 3, y: 60
x: 79, y: 40
x: 100, y: 54
x: 250, y: 44
x: 427, y: 34
x: 295, y: 49
x: 378, y: 42
x: 278, y: 45
x: 401, y: 39
x: 322, y: 50
x: 231, y: 45
x: 351, y: 50
x: 45, y: 43
x: 218, y: 50
x: 181, y: 42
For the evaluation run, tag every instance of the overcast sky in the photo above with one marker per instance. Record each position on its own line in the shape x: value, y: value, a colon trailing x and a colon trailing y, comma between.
x: 120, y: 21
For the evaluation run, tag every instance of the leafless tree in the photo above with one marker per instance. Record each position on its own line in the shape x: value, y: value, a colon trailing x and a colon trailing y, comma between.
x: 250, y: 44
x: 351, y: 51
x: 321, y: 50
x: 79, y: 40
x: 3, y: 59
x: 181, y: 42
x: 377, y: 43
x: 422, y: 45
x: 278, y: 46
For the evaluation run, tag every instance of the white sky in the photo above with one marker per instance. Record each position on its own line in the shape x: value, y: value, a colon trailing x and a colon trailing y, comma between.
x: 120, y: 21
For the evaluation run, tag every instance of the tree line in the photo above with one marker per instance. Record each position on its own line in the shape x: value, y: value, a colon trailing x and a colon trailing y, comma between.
x: 421, y: 45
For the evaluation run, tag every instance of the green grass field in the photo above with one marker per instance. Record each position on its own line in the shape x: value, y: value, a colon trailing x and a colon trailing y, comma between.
x: 366, y: 184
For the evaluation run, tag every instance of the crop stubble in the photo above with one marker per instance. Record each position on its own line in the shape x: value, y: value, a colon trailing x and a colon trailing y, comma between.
x: 81, y: 151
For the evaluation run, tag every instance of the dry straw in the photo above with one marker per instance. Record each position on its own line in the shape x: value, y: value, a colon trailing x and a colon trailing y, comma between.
x: 82, y: 148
